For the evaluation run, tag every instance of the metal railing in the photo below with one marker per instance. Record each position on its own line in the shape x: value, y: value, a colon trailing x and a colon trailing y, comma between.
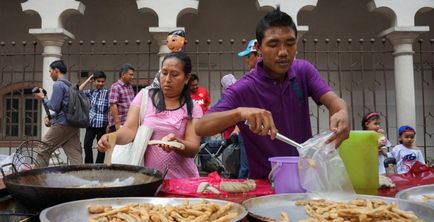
x: 361, y: 71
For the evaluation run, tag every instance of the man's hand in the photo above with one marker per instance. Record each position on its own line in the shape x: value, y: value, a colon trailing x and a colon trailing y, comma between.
x: 90, y: 79
x: 260, y: 121
x: 47, y: 122
x: 117, y: 126
x: 340, y: 125
x: 40, y: 95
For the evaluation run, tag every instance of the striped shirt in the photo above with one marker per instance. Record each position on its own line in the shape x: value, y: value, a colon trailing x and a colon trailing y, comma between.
x: 121, y: 94
x: 99, y: 107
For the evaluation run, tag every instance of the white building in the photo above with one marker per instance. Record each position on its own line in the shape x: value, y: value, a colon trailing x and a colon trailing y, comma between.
x: 370, y: 51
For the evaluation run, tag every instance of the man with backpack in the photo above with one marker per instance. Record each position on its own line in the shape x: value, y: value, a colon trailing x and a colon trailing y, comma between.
x: 60, y: 133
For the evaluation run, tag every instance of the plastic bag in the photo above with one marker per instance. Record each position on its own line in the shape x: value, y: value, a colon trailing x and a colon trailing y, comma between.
x: 321, y: 169
x: 133, y: 153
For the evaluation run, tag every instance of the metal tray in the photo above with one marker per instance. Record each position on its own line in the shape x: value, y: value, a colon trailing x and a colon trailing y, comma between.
x: 77, y: 210
x: 416, y: 194
x: 268, y: 208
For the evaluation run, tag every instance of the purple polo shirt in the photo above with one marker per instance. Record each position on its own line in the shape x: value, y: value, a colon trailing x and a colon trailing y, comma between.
x: 288, y: 103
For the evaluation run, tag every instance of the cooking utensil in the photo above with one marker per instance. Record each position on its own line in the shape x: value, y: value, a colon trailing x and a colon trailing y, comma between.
x: 288, y: 141
x: 44, y: 187
x: 267, y: 208
x: 77, y: 210
x: 283, y: 139
x: 419, y: 194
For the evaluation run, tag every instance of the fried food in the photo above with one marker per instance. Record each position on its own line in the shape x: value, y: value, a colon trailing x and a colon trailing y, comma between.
x: 427, y: 197
x: 358, y: 210
x: 186, y: 212
x: 238, y: 187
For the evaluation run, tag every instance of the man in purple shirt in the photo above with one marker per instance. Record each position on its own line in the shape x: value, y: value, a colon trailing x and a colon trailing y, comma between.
x: 120, y: 96
x: 274, y: 96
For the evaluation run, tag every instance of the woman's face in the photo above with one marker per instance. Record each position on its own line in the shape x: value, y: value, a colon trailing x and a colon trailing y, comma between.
x: 172, y: 77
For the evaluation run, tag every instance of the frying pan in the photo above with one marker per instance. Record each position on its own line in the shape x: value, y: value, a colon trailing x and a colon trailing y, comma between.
x: 44, y: 187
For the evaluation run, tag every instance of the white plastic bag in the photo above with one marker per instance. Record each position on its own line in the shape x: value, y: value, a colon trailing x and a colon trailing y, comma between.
x: 321, y: 169
x: 134, y: 152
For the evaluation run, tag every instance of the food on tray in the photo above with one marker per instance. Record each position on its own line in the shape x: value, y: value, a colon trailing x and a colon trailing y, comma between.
x: 238, y: 187
x: 97, y: 209
x: 199, y: 212
x: 201, y: 187
x: 212, y: 189
x: 355, y: 210
x: 427, y: 197
x: 230, y: 187
x: 284, y: 217
x: 175, y: 144
x: 206, y: 187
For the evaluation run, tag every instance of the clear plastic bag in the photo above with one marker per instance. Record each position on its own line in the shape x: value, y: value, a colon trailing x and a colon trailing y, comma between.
x: 321, y: 169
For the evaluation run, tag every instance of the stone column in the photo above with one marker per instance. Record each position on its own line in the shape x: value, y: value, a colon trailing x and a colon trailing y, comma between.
x: 52, y: 35
x: 402, y: 39
x: 52, y: 41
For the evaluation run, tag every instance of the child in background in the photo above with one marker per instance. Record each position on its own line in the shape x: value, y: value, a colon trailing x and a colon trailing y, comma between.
x: 372, y: 121
x: 406, y: 153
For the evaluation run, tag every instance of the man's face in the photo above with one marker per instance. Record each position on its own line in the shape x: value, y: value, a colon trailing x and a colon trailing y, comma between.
x: 251, y: 60
x: 128, y: 76
x: 54, y: 74
x: 278, y: 48
x: 99, y: 83
x: 194, y: 85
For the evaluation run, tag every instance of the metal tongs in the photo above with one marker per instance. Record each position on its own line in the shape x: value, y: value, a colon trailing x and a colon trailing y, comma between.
x: 288, y: 141
x: 283, y: 139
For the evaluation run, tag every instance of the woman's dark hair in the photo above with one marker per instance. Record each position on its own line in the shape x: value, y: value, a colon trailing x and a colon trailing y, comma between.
x: 157, y: 94
x: 60, y: 65
x: 99, y: 74
x: 275, y: 18
x: 368, y: 118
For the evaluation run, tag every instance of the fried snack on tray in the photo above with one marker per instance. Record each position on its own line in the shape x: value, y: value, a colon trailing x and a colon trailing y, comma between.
x: 358, y: 210
x: 238, y: 187
x: 427, y: 197
x: 186, y: 212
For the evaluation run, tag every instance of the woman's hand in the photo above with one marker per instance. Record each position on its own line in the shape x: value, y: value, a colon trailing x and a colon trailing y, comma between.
x: 167, y: 148
x: 103, y: 143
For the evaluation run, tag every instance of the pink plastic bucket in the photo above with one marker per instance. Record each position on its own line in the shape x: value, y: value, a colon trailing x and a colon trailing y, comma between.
x: 284, y: 174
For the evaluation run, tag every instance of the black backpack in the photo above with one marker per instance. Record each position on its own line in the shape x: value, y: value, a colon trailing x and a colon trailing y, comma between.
x: 77, y: 113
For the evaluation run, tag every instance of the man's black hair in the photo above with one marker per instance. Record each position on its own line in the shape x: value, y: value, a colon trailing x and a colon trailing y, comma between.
x: 60, y: 65
x: 194, y: 77
x: 124, y: 68
x: 275, y: 18
x: 99, y: 74
x: 157, y: 94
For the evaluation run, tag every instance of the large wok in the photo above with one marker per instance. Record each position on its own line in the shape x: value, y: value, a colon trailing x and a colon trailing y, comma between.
x: 44, y: 187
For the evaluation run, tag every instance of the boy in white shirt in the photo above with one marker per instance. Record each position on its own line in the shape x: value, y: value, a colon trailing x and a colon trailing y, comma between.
x: 406, y: 153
